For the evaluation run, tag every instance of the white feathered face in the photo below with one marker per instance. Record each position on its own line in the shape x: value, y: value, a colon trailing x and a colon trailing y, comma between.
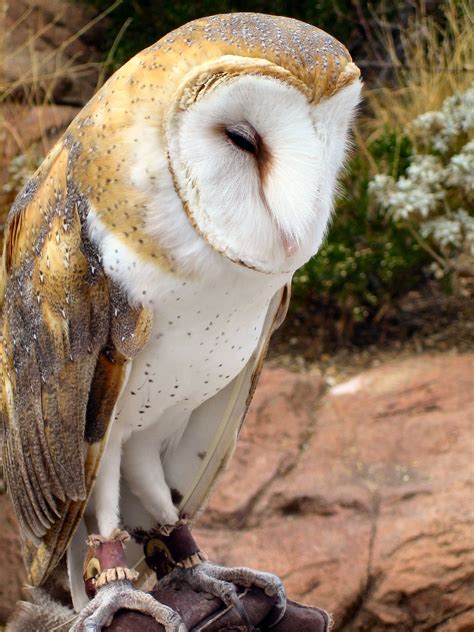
x: 255, y: 165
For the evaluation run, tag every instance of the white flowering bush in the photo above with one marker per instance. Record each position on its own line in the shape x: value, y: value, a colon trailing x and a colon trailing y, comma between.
x: 434, y: 198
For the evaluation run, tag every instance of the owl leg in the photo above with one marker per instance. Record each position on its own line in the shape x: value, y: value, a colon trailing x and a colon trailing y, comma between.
x: 104, y: 502
x: 108, y: 580
x: 107, y: 577
x: 143, y: 470
x: 99, y: 612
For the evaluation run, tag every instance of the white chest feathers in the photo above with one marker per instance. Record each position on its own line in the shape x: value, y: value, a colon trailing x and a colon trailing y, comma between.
x: 203, y: 335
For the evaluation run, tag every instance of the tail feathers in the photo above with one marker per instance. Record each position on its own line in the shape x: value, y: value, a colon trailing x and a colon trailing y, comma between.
x: 40, y: 614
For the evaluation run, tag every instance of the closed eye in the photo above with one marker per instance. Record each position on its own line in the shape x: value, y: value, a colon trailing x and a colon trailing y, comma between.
x: 241, y: 142
x: 244, y: 137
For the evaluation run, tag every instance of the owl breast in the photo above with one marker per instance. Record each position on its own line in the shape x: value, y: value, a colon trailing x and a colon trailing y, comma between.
x: 203, y: 335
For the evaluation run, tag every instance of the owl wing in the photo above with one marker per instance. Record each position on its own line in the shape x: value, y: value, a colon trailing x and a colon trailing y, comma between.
x: 66, y: 337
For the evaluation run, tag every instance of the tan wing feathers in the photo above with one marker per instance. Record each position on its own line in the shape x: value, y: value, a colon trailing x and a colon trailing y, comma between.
x: 105, y: 389
x: 28, y: 469
x: 61, y: 372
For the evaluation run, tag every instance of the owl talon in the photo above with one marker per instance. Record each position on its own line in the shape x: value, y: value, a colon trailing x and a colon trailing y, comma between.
x: 220, y: 582
x: 99, y: 612
x: 241, y: 611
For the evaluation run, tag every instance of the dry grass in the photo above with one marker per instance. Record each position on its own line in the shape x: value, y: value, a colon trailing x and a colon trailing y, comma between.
x: 429, y: 61
x: 38, y: 81
x: 36, y: 84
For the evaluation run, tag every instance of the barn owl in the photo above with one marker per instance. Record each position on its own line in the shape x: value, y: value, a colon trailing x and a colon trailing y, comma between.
x: 145, y: 266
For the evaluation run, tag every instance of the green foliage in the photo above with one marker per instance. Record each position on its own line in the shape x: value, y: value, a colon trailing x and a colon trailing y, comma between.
x: 367, y: 259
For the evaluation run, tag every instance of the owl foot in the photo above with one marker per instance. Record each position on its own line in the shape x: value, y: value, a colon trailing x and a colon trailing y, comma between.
x: 221, y: 582
x: 171, y: 551
x: 116, y: 595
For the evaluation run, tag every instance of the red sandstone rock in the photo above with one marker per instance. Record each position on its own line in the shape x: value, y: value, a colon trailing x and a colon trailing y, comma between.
x: 50, y: 55
x: 270, y: 441
x: 24, y: 126
x: 374, y: 521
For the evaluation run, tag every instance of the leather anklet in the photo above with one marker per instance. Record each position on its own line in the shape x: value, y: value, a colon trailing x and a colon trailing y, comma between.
x: 105, y: 561
x: 169, y: 546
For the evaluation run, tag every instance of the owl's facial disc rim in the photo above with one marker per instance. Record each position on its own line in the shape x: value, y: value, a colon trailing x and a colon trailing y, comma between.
x: 198, y: 83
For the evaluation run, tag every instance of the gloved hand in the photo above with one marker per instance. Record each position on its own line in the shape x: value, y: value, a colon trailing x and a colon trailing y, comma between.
x: 207, y: 612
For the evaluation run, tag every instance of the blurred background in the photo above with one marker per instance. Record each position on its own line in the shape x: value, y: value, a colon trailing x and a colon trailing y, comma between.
x: 352, y: 478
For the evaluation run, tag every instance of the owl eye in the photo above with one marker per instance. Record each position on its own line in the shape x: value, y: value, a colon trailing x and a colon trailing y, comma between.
x: 244, y: 137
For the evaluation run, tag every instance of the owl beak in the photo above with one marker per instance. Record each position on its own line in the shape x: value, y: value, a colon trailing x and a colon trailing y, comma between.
x: 289, y: 245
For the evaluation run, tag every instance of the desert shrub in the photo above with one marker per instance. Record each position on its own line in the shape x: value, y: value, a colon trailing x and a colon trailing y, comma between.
x: 412, y: 219
x: 20, y: 169
x: 434, y: 199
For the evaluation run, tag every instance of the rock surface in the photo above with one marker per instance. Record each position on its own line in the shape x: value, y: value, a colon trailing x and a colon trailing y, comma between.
x: 363, y: 504
x: 359, y: 497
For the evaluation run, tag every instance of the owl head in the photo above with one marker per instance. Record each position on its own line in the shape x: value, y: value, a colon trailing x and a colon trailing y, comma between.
x: 234, y: 129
